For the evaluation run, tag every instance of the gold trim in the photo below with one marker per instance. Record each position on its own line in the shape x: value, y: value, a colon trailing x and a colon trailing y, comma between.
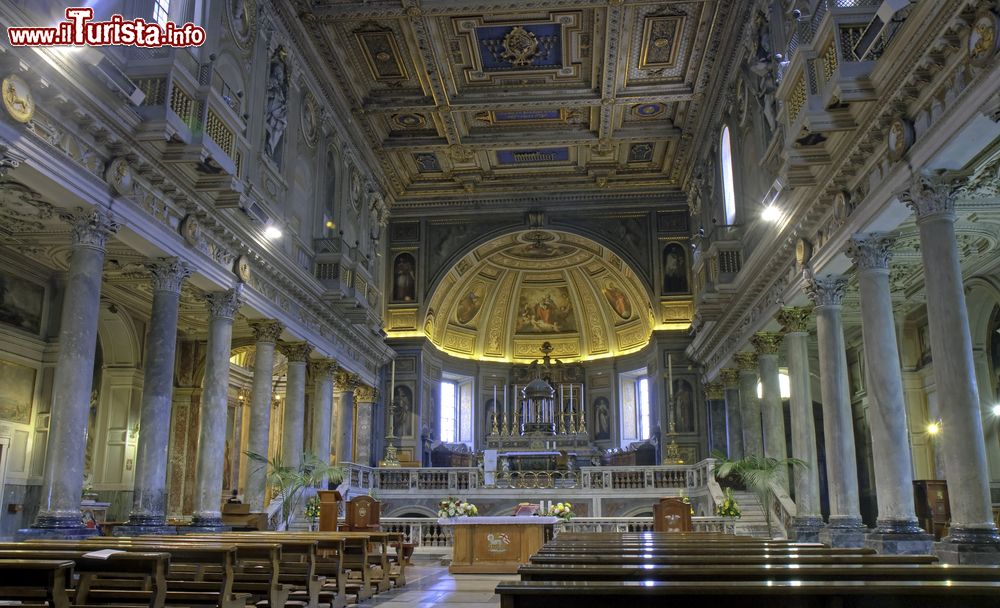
x: 394, y: 47
x: 647, y: 31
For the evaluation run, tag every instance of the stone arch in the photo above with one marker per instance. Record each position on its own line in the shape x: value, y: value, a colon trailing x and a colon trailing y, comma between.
x: 411, y: 510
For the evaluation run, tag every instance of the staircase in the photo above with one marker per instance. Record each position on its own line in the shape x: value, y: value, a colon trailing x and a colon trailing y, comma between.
x: 753, y: 522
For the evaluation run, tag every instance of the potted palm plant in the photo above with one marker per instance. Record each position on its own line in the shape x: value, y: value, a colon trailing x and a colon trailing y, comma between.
x: 290, y: 483
x: 758, y: 474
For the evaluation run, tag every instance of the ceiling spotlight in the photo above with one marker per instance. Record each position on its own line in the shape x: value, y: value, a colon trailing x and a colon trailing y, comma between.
x: 996, y: 410
x: 770, y: 213
x: 272, y: 232
x: 330, y: 224
x: 933, y: 428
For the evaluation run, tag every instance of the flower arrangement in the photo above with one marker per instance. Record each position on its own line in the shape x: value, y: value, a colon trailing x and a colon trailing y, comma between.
x: 728, y: 507
x: 312, y: 508
x: 562, y: 510
x: 456, y: 507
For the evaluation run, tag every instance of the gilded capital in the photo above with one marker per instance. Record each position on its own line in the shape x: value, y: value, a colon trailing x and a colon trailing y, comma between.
x: 827, y: 291
x: 930, y: 195
x: 730, y: 376
x: 322, y: 367
x: 746, y: 362
x: 794, y: 319
x: 766, y: 342
x: 225, y: 304
x: 871, y: 251
x: 715, y: 391
x: 91, y: 228
x: 266, y: 330
x: 365, y: 394
x: 295, y: 351
x: 168, y: 274
x: 344, y: 380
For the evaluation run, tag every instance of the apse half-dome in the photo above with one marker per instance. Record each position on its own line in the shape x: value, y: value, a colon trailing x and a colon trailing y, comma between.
x: 507, y: 297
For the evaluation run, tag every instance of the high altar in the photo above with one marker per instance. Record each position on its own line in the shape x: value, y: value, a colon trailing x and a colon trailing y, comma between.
x: 496, y: 545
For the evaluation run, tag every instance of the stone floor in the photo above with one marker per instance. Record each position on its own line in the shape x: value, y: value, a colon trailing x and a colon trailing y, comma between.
x: 433, y: 586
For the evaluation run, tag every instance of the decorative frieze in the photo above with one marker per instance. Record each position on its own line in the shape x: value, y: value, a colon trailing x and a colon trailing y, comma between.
x: 872, y: 251
x: 795, y: 319
x: 766, y: 342
x: 266, y: 331
x: 295, y: 351
x: 827, y: 291
x: 225, y: 304
x: 168, y: 274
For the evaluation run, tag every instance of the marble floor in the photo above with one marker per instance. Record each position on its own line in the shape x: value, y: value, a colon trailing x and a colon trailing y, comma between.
x: 433, y: 586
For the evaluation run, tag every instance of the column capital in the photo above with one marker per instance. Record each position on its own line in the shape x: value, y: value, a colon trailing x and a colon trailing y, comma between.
x: 730, y: 376
x: 365, y: 394
x: 827, y: 291
x: 344, y: 380
x: 296, y: 352
x: 91, y: 228
x: 266, y: 330
x: 766, y: 342
x: 794, y: 319
x: 225, y: 304
x: 168, y: 274
x: 322, y: 367
x: 715, y: 391
x: 746, y: 362
x: 871, y: 251
x: 930, y: 195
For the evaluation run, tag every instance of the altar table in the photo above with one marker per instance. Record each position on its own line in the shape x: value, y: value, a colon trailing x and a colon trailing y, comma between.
x: 496, y: 545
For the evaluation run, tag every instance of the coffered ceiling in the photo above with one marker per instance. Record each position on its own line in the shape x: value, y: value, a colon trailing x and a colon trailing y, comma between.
x: 462, y: 98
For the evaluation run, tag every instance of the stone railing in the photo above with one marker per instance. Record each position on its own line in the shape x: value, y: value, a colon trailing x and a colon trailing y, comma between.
x: 425, y: 532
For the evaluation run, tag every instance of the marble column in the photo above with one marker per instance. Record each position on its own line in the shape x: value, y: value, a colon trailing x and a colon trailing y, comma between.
x: 62, y: 479
x: 973, y: 535
x: 808, y: 517
x: 222, y: 307
x: 149, y: 499
x: 293, y: 441
x: 730, y: 377
x: 322, y: 373
x: 715, y: 400
x: 753, y: 433
x: 364, y: 400
x: 345, y: 382
x: 266, y: 334
x: 844, y: 528
x: 772, y: 409
x: 897, y: 530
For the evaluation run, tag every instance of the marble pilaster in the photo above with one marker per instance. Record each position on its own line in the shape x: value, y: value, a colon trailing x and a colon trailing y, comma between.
x: 266, y: 334
x: 897, y: 530
x: 753, y: 432
x: 149, y: 499
x: 808, y: 517
x: 715, y: 399
x: 293, y: 441
x: 766, y: 345
x: 222, y: 306
x: 973, y: 536
x: 322, y: 373
x: 62, y: 478
x: 730, y: 377
x: 345, y: 383
x: 364, y: 400
x: 844, y: 527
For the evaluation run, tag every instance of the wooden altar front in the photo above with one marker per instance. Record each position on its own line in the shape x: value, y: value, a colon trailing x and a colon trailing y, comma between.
x: 496, y: 545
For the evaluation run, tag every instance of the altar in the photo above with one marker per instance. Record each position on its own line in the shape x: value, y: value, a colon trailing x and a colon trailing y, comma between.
x: 496, y: 545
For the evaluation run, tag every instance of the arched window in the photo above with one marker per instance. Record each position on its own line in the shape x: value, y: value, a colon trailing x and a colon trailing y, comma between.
x: 728, y: 187
x: 161, y: 11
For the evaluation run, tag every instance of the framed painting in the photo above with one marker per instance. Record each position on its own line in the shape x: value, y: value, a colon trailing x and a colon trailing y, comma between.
x: 17, y: 390
x: 21, y: 303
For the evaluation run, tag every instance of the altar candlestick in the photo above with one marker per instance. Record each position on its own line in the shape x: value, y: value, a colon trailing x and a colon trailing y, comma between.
x: 670, y: 377
x: 392, y: 382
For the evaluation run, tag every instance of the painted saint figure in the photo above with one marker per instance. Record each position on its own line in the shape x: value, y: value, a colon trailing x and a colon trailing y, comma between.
x: 675, y: 276
x: 602, y: 414
x: 404, y: 285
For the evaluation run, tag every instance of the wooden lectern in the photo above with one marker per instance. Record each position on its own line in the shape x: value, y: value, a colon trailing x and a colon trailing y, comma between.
x: 362, y: 514
x: 671, y: 515
x: 329, y: 509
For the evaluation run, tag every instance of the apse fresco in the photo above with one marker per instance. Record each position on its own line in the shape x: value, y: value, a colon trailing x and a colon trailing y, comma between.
x: 470, y: 304
x: 617, y: 300
x: 545, y: 310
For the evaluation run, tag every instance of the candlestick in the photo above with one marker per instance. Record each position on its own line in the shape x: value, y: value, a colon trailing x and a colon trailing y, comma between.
x: 392, y: 382
x: 670, y: 376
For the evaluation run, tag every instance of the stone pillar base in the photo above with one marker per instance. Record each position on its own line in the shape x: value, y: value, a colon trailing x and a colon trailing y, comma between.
x: 131, y: 529
x: 67, y: 533
x: 900, y: 543
x: 199, y: 524
x: 806, y: 529
x: 843, y: 532
x: 978, y: 547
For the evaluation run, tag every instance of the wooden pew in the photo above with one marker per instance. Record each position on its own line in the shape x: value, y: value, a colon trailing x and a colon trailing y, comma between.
x: 751, y: 594
x: 731, y: 559
x: 36, y: 582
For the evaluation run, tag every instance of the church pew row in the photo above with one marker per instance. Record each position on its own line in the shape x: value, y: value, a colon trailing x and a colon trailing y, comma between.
x: 696, y: 550
x: 36, y: 583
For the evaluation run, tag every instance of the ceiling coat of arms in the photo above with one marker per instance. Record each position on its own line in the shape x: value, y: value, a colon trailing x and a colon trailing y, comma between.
x: 520, y: 46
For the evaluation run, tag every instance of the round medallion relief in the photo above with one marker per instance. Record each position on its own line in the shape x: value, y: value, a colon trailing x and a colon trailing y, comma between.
x: 17, y: 98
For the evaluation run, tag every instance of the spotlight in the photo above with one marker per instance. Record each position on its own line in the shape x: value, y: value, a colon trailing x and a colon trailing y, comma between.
x: 770, y: 213
x: 996, y: 410
x: 933, y: 428
x: 272, y: 232
x: 330, y: 224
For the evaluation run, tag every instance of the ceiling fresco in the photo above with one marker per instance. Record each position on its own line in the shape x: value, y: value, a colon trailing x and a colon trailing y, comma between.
x: 460, y: 98
x: 508, y: 296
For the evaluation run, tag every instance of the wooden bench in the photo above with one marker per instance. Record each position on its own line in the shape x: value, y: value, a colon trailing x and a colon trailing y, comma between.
x: 36, y: 583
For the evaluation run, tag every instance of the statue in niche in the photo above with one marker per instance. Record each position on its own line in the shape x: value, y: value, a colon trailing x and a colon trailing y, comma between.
x: 276, y: 116
x: 761, y: 70
x: 683, y: 406
x: 602, y: 419
x: 402, y: 417
x: 404, y: 284
x: 675, y: 275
